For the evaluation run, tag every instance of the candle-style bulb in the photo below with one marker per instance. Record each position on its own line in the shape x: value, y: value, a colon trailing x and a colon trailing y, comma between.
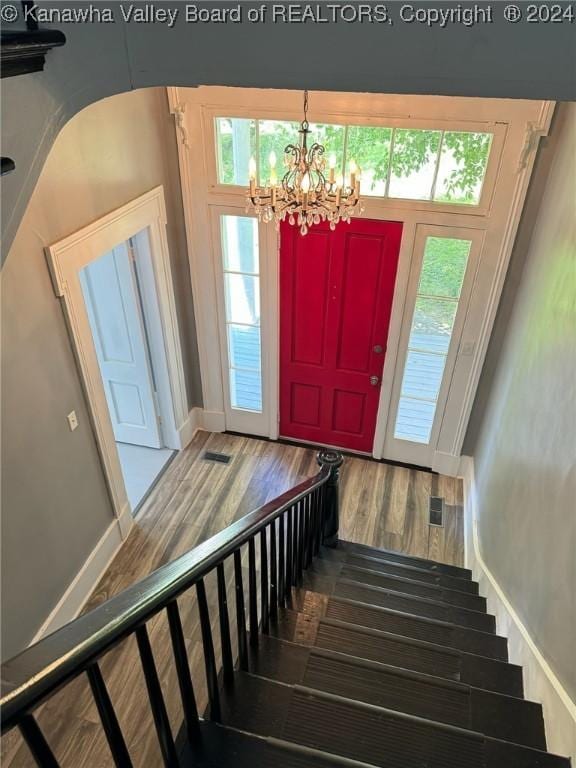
x: 305, y: 183
x: 252, y: 168
x: 272, y: 159
x: 332, y: 160
x: 339, y: 181
x: 353, y: 166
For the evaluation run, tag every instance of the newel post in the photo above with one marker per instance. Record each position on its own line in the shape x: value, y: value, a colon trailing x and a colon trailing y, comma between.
x: 332, y: 460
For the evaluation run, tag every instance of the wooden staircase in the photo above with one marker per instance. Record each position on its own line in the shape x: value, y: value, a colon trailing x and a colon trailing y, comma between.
x: 330, y: 654
x: 380, y: 659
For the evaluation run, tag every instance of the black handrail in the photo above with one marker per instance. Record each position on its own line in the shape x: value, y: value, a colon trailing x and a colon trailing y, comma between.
x: 35, y: 674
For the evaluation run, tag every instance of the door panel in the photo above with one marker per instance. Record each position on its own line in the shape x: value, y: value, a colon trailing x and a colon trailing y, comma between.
x: 336, y: 292
x: 114, y: 312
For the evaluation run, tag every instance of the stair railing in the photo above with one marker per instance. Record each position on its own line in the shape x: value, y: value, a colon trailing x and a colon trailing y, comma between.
x: 290, y: 530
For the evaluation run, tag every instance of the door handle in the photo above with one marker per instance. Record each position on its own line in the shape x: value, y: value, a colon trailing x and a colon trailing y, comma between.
x: 377, y: 348
x: 374, y: 380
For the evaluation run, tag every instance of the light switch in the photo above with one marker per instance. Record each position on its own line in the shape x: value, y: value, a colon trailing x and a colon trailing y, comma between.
x: 72, y: 420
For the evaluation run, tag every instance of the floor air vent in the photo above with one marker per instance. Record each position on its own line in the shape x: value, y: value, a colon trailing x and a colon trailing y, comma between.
x: 223, y: 458
x: 436, y: 511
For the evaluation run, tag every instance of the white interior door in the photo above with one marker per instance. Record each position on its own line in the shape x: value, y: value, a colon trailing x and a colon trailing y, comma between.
x: 115, y: 315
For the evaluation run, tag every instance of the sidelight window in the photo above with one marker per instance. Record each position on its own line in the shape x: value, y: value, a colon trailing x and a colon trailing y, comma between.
x: 241, y: 271
x: 441, y: 278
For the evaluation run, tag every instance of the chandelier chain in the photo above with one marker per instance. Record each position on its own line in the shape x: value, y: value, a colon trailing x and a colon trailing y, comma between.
x: 308, y: 193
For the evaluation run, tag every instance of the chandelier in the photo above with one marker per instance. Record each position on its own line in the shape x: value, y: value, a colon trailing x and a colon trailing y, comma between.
x: 305, y: 196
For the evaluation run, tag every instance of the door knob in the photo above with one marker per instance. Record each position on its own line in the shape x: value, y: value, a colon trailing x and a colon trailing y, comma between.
x: 377, y: 349
x: 374, y: 380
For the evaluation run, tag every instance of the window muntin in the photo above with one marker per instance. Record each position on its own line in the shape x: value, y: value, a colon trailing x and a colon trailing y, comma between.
x: 240, y: 262
x: 441, y: 278
x: 401, y: 163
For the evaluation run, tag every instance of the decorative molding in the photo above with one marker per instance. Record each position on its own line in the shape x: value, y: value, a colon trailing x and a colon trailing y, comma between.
x: 83, y: 584
x: 540, y: 682
x: 178, y: 112
x: 534, y: 132
x: 24, y: 51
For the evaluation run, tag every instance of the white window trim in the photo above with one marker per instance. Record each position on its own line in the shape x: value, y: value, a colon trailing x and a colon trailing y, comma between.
x: 65, y: 260
x: 519, y: 123
x: 238, y: 420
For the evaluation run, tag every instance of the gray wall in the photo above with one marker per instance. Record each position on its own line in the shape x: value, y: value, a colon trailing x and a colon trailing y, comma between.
x: 523, y: 437
x: 55, y: 504
x: 498, y: 59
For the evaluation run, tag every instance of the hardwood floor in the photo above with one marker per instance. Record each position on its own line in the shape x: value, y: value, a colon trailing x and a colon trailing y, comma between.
x: 381, y: 505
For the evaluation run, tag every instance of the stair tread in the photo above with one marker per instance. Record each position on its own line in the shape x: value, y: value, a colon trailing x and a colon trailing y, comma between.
x: 408, y: 571
x: 432, y: 565
x: 421, y: 656
x: 416, y: 604
x: 419, y: 627
x: 365, y: 732
x: 444, y: 699
x: 412, y: 585
x: 223, y: 747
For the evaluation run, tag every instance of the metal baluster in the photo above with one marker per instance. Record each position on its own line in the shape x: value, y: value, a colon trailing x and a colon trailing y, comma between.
x: 252, y: 598
x: 264, y: 582
x: 281, y: 560
x: 319, y: 518
x: 108, y: 717
x: 306, y: 528
x: 183, y: 671
x: 273, y: 574
x: 227, y: 659
x: 156, y: 699
x: 36, y: 742
x: 288, y: 583
x: 209, y: 658
x: 240, y: 611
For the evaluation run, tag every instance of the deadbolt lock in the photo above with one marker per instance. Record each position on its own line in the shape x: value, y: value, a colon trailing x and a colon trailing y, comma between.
x: 374, y: 380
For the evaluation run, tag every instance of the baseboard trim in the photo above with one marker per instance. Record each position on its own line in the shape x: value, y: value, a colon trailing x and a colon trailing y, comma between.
x: 446, y: 464
x: 188, y: 430
x: 540, y: 682
x: 213, y: 421
x: 83, y: 584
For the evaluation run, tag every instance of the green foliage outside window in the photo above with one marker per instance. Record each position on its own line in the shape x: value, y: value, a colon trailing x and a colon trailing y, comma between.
x: 378, y: 151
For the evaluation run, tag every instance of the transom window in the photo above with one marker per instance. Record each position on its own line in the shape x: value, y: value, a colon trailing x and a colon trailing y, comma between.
x: 403, y: 163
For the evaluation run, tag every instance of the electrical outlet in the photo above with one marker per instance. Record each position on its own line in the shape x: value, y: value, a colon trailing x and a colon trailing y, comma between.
x: 72, y: 420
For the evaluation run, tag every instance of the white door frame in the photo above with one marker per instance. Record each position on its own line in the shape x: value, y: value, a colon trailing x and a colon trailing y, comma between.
x: 144, y: 220
x: 517, y: 126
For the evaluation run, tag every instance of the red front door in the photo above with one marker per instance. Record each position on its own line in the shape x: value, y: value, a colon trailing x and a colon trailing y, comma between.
x: 336, y: 293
